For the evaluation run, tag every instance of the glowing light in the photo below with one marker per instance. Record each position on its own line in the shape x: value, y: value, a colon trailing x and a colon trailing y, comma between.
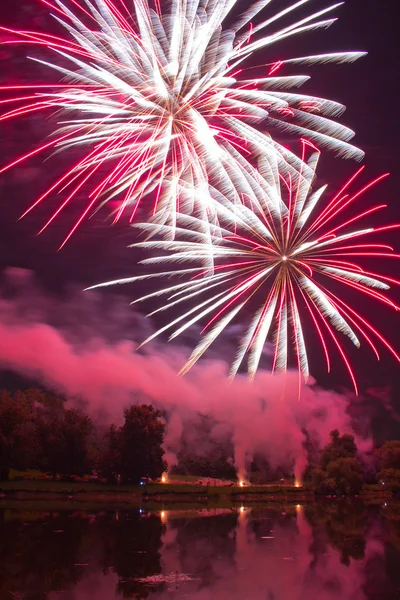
x: 163, y: 478
x: 242, y: 509
x: 246, y: 264
x: 154, y: 100
x: 241, y: 483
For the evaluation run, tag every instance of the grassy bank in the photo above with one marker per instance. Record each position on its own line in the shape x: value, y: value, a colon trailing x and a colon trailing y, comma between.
x: 165, y: 493
x: 171, y: 493
x: 66, y: 487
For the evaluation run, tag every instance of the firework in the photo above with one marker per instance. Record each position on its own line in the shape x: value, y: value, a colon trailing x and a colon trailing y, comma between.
x: 275, y: 260
x: 160, y: 101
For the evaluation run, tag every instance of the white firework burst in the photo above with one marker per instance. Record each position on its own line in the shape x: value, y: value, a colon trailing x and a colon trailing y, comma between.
x: 273, y: 258
x: 162, y: 100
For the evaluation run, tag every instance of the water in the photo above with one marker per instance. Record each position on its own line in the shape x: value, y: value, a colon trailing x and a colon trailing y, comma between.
x: 310, y: 552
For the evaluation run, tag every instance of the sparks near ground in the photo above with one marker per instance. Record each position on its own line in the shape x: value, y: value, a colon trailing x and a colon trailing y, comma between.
x: 160, y: 100
x: 282, y: 253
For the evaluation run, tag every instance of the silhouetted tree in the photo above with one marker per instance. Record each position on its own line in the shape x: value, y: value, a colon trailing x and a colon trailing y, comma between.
x: 339, y: 471
x: 18, y: 441
x: 340, y: 446
x: 110, y: 457
x: 64, y: 442
x: 389, y: 459
x: 135, y: 449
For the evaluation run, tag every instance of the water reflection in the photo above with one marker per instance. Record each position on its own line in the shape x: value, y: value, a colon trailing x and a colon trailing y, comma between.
x: 316, y: 551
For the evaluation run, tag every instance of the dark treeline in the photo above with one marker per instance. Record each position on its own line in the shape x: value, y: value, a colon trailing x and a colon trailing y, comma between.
x: 39, y: 431
x: 339, y: 469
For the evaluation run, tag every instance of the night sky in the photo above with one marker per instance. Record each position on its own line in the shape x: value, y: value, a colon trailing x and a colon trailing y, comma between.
x: 98, y: 252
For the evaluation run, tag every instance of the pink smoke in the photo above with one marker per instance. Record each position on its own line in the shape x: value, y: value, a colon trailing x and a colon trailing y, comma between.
x: 265, y: 416
x: 107, y: 375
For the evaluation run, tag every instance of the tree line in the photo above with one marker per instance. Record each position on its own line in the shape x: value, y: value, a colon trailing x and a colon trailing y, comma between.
x: 339, y: 470
x: 39, y: 431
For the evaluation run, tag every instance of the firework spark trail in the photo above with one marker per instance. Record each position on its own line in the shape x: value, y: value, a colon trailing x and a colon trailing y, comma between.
x: 163, y: 102
x: 282, y: 254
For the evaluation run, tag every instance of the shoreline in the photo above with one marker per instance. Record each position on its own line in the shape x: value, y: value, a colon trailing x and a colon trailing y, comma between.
x: 72, y: 495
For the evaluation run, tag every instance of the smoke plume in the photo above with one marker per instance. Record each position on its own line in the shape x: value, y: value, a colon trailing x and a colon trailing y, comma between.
x: 78, y: 346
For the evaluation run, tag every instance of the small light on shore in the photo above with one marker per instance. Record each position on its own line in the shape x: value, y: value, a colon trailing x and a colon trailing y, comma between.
x: 242, y: 509
x: 241, y: 483
x: 297, y: 484
x: 163, y: 478
x: 162, y: 515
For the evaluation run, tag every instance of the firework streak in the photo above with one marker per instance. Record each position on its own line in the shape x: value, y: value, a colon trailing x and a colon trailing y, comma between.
x: 278, y: 253
x: 157, y: 101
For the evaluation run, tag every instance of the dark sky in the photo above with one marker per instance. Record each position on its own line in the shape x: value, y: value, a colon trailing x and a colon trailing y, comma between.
x: 97, y: 252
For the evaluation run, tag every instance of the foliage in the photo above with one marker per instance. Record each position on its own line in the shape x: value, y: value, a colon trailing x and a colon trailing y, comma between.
x: 38, y: 431
x: 389, y: 462
x: 390, y: 455
x: 18, y: 441
x: 340, y: 447
x: 64, y: 442
x: 347, y: 475
x: 135, y: 449
x: 339, y: 471
x: 390, y: 479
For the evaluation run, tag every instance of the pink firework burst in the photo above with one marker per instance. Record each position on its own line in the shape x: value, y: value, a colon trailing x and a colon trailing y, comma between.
x: 287, y: 255
x: 160, y: 99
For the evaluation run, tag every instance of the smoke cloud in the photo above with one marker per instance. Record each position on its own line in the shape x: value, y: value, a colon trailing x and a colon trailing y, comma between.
x: 78, y: 347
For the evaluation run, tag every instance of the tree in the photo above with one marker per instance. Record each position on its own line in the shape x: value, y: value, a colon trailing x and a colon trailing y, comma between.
x: 389, y: 458
x: 339, y: 471
x: 389, y: 455
x: 18, y: 440
x: 64, y: 442
x: 45, y: 404
x: 347, y: 475
x: 135, y: 449
x: 110, y: 458
x: 340, y: 447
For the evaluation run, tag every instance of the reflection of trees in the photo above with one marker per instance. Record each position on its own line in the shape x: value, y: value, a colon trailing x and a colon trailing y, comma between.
x: 201, y: 541
x: 382, y: 572
x: 344, y: 525
x: 40, y: 556
x: 391, y: 519
x: 132, y: 545
x: 49, y: 553
x: 263, y: 521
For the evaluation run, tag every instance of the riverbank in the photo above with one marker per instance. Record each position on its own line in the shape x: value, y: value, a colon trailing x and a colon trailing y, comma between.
x: 155, y: 492
x: 72, y: 494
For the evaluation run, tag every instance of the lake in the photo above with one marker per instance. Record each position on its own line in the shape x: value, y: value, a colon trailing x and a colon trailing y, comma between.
x: 324, y: 551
